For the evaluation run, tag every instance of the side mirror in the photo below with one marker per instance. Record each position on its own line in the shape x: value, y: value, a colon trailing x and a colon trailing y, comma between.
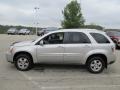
x: 41, y: 43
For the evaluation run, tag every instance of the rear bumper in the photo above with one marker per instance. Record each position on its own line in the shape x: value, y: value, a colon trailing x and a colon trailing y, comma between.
x: 9, y: 57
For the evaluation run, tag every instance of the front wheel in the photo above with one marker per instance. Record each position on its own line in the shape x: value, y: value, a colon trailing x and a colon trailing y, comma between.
x: 23, y: 62
x: 95, y: 64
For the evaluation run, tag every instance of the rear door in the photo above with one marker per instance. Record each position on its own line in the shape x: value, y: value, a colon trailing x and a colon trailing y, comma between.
x: 76, y: 45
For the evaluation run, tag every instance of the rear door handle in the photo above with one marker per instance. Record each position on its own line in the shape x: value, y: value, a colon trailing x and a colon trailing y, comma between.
x: 60, y: 47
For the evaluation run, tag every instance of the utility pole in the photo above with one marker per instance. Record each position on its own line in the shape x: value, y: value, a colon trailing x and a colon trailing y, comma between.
x: 36, y: 11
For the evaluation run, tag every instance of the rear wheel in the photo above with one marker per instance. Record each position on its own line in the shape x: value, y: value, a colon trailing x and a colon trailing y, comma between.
x: 95, y: 64
x: 23, y: 62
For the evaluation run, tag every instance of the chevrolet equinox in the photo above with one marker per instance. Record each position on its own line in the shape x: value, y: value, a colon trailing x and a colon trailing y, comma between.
x: 88, y: 47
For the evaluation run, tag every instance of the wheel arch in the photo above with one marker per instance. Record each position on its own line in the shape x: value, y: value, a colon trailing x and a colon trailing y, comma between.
x: 100, y: 55
x: 22, y: 52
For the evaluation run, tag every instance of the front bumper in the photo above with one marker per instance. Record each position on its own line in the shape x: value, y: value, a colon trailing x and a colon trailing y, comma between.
x: 9, y: 57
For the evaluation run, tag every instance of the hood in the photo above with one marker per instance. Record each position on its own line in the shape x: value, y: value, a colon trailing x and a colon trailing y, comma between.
x: 24, y: 43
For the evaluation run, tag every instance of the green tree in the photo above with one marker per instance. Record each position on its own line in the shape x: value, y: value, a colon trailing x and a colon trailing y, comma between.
x: 72, y: 15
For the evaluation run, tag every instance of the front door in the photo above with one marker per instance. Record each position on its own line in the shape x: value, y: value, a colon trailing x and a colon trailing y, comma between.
x: 52, y: 49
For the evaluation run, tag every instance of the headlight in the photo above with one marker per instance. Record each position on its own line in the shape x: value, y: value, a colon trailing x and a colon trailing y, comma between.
x: 11, y: 49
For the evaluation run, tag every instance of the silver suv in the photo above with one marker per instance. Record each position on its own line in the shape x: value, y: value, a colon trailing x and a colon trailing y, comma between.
x: 68, y: 46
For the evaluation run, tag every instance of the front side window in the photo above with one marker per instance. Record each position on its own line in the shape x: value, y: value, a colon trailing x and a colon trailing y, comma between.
x: 100, y: 38
x: 76, y: 38
x: 55, y: 38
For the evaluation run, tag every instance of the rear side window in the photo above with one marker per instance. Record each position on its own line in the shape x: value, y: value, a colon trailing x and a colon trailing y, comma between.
x: 100, y: 38
x: 76, y: 38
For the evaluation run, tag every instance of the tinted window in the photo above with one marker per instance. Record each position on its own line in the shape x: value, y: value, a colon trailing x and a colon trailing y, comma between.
x: 56, y: 38
x: 100, y: 38
x: 76, y: 37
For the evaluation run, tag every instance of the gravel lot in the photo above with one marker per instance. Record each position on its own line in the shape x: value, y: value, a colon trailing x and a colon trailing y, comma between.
x: 53, y: 77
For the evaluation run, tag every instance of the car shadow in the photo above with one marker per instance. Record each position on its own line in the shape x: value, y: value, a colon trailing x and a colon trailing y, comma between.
x: 61, y: 68
x: 43, y: 67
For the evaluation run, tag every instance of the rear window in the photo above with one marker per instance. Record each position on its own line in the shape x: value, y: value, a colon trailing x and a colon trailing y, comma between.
x: 76, y: 38
x: 100, y: 38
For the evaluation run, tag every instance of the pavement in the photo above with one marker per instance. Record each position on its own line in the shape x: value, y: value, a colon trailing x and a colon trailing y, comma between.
x: 54, y: 77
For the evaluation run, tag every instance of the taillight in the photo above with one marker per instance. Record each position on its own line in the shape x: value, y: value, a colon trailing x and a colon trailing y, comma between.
x: 113, y: 49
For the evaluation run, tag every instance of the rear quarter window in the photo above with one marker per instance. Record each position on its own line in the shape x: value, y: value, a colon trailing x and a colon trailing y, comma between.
x: 100, y: 38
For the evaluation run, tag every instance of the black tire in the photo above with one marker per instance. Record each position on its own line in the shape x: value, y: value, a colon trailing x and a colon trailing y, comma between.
x: 29, y: 61
x: 91, y: 62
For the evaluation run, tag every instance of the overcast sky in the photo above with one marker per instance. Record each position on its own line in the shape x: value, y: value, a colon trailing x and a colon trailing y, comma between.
x: 21, y: 12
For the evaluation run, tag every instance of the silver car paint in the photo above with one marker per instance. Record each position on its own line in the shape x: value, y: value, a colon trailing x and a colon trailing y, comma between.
x: 50, y: 53
x: 65, y: 53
